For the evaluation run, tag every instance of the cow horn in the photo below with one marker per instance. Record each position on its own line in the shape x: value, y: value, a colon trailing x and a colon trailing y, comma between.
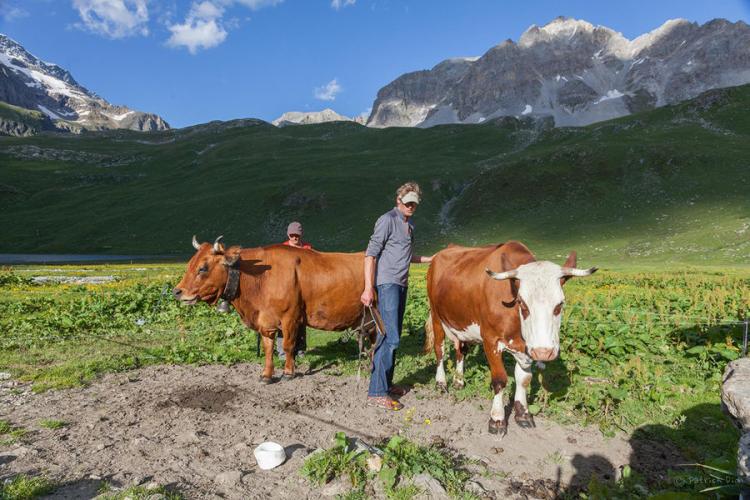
x: 572, y: 271
x: 217, y: 248
x: 502, y: 276
x: 196, y: 245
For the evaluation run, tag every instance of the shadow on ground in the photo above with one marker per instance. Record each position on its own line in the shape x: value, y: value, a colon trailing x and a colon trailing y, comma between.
x: 658, y: 462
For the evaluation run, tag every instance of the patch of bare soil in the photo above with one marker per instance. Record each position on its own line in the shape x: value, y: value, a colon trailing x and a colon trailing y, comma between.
x: 194, y: 429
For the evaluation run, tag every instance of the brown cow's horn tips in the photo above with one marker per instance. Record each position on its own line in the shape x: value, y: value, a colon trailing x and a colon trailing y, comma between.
x: 217, y: 248
x: 196, y: 245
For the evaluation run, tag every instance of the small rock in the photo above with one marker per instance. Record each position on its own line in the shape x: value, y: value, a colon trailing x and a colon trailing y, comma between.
x: 432, y: 486
x: 338, y: 486
x: 152, y: 486
x: 475, y: 488
x: 187, y: 438
x: 229, y: 478
x: 375, y: 463
x: 571, y: 440
x: 497, y: 450
x: 438, y: 442
x: 4, y: 375
x: 100, y: 446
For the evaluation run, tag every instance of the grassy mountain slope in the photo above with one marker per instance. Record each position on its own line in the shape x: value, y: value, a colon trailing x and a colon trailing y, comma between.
x: 15, y: 120
x: 671, y: 184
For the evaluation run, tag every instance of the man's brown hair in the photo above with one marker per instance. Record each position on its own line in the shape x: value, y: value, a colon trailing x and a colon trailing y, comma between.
x: 409, y: 187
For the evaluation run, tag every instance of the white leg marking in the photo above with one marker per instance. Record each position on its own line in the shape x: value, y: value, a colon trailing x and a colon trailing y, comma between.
x: 440, y: 375
x: 523, y: 376
x: 498, y: 408
x: 460, y: 369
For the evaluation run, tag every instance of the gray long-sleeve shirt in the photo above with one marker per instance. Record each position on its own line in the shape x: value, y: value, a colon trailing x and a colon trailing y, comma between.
x: 392, y: 244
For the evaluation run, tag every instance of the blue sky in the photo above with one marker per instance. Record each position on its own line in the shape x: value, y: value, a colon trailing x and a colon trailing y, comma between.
x: 197, y: 61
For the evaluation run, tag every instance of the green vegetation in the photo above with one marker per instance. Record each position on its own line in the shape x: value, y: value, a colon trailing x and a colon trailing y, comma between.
x: 137, y: 493
x: 664, y: 186
x: 9, y: 433
x: 36, y: 121
x: 642, y: 352
x: 24, y: 487
x: 53, y: 424
x: 398, y: 461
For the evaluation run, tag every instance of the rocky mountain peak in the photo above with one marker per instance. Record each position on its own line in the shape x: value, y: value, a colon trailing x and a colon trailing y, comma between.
x: 309, y: 117
x: 574, y: 72
x: 30, y: 83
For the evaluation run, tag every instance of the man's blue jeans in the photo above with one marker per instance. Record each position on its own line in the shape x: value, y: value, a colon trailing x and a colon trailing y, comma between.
x: 391, y: 304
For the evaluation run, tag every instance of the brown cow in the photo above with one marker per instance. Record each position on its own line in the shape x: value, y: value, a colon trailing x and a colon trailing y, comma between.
x: 518, y: 311
x: 281, y: 288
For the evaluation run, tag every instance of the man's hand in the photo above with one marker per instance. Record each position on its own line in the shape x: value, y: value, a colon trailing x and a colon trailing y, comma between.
x: 367, y: 296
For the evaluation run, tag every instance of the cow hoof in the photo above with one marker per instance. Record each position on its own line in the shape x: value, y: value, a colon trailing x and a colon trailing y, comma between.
x: 458, y: 384
x: 498, y: 427
x: 266, y: 380
x: 523, y: 418
x: 288, y: 376
x: 525, y: 421
x: 442, y: 386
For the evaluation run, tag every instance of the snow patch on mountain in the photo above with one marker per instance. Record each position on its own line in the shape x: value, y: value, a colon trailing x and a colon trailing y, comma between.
x: 573, y: 71
x: 28, y: 82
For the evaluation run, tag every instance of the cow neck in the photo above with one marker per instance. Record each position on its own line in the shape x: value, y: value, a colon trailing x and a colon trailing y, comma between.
x: 233, y: 282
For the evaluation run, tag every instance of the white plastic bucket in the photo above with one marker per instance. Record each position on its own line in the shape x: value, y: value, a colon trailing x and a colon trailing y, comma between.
x: 269, y: 455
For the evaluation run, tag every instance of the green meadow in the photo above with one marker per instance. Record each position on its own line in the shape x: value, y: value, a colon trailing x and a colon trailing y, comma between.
x: 668, y: 186
x: 660, y: 201
x: 642, y: 352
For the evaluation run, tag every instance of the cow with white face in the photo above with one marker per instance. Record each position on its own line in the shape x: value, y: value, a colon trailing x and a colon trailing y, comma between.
x: 519, y: 311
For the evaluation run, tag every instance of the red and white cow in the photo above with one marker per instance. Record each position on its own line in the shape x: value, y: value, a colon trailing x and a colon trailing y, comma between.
x: 517, y: 310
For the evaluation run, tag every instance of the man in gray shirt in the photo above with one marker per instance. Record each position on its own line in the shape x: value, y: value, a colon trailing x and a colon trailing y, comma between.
x: 387, y: 259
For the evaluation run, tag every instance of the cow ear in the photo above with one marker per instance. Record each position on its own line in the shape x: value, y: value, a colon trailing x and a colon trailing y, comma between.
x: 506, y: 266
x: 570, y: 262
x: 505, y: 263
x: 231, y: 257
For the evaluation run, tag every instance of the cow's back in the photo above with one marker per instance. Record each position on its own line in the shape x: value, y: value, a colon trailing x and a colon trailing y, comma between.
x: 461, y: 293
x: 329, y: 284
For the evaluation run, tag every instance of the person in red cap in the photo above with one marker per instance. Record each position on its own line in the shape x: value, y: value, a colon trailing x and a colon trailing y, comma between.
x: 294, y: 239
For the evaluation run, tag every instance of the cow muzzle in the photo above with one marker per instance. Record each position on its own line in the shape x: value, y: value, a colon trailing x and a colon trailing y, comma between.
x: 177, y: 292
x: 543, y: 354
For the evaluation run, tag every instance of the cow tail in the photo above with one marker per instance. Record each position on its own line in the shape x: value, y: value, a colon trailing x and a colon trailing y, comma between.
x: 429, y: 335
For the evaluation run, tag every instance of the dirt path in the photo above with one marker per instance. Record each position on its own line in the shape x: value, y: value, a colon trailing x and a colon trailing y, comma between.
x: 194, y: 429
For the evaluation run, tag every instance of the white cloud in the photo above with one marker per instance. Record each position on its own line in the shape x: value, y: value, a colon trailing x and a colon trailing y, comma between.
x: 113, y: 18
x: 338, y: 4
x: 204, y: 26
x: 328, y: 91
x: 196, y: 34
x: 10, y: 12
x: 258, y: 4
x: 206, y: 10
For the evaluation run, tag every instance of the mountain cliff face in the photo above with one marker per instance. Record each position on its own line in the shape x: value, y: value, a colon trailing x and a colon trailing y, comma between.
x: 573, y: 71
x: 32, y: 84
x: 307, y: 118
x: 310, y: 117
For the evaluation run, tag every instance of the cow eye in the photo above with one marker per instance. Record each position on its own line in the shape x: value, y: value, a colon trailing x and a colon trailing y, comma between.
x: 203, y: 268
x: 558, y: 308
x: 524, y: 308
